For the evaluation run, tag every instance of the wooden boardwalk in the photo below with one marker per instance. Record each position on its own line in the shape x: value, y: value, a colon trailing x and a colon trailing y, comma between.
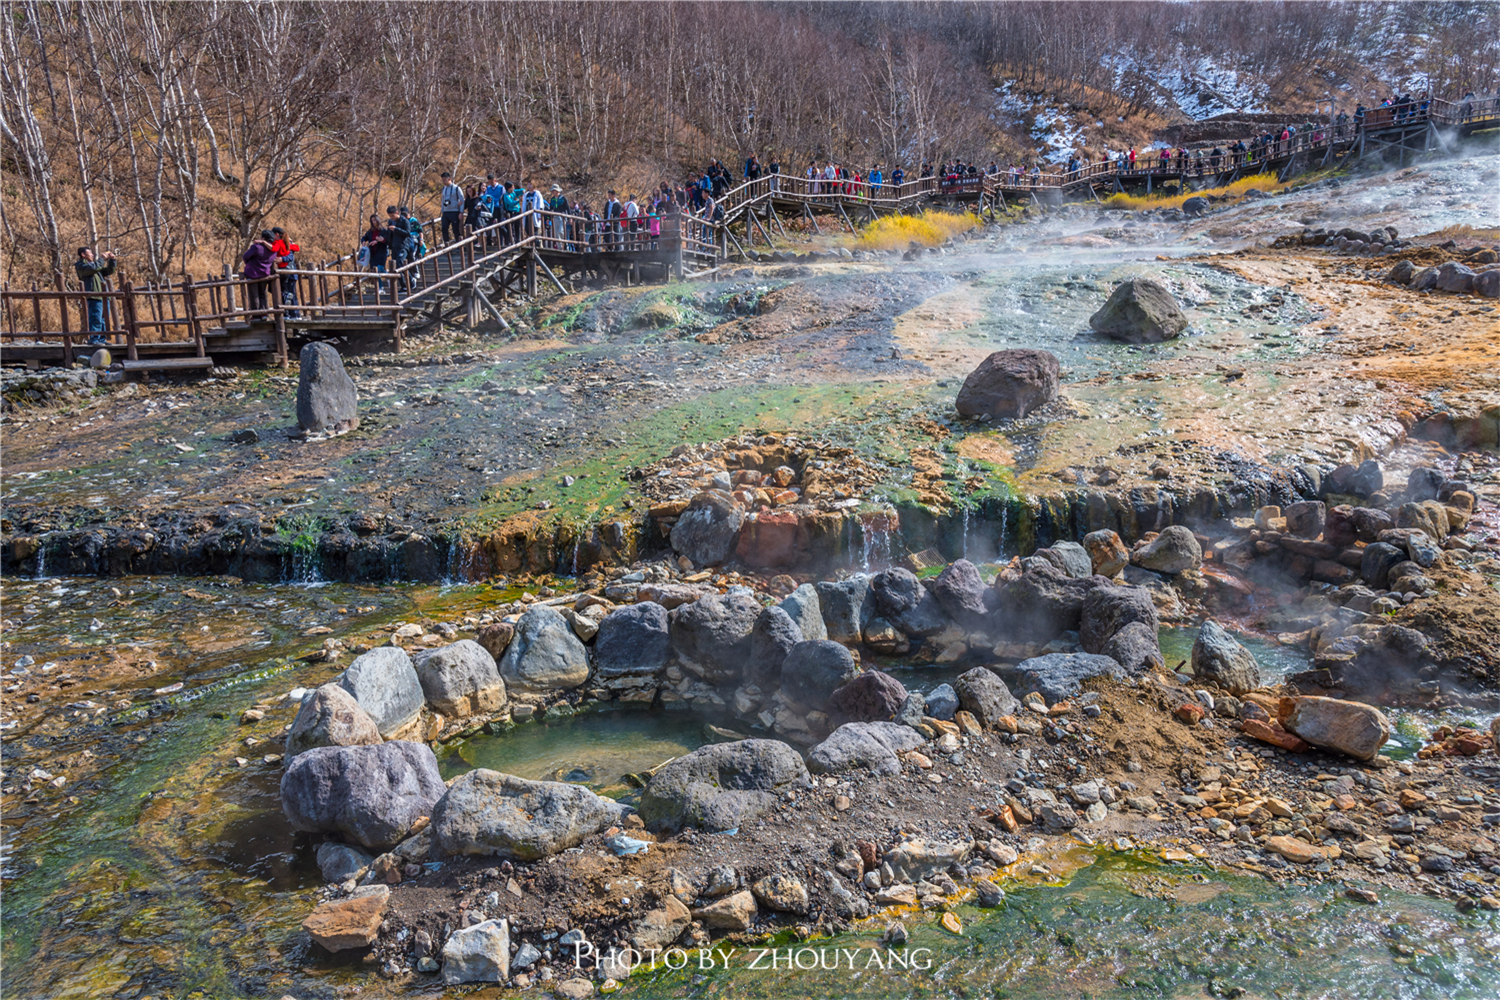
x: 189, y: 324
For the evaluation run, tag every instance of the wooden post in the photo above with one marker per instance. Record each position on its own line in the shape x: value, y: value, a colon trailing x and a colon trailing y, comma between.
x: 281, y: 350
x: 132, y: 326
x: 676, y: 218
x: 228, y: 290
x: 531, y: 273
x: 67, y: 332
x: 190, y: 308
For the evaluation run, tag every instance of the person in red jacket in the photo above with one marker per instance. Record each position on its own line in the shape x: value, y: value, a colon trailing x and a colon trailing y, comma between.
x: 286, y: 262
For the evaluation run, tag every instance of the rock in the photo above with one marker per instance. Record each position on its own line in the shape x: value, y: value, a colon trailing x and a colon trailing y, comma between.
x: 1106, y: 552
x: 477, y: 954
x: 495, y: 637
x: 985, y: 696
x: 1376, y: 563
x: 1139, y: 311
x: 846, y: 606
x: 1107, y: 609
x: 1070, y: 557
x: 1369, y: 523
x: 1487, y: 284
x: 812, y: 671
x: 1219, y: 658
x: 1172, y: 551
x: 806, y: 611
x: 781, y: 892
x: 385, y: 684
x: 870, y: 697
x: 732, y: 913
x: 883, y: 637
x: 706, y: 531
x: 1272, y: 733
x: 461, y: 679
x: 1196, y: 206
x: 327, y: 402
x: 1042, y: 603
x: 871, y: 745
x: 911, y: 607
x: 1306, y: 518
x: 353, y: 922
x: 545, y: 655
x: 660, y: 928
x: 1346, y: 726
x: 633, y: 641
x: 1058, y: 816
x: 772, y: 637
x: 488, y: 812
x: 1009, y: 384
x: 942, y: 702
x: 373, y: 795
x: 720, y: 786
x: 576, y: 988
x: 246, y: 436
x: 337, y: 862
x: 714, y: 635
x: 914, y: 860
x: 1135, y: 648
x: 1059, y: 676
x: 961, y: 594
x: 1298, y: 851
x: 1402, y: 273
x: 330, y: 717
x: 1454, y: 277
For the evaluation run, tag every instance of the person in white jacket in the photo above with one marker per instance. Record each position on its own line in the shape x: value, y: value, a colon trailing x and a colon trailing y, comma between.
x: 453, y: 208
x: 534, y: 203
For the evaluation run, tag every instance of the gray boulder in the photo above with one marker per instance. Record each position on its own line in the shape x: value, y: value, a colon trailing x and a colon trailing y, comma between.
x: 633, y: 641
x: 1401, y: 274
x: 490, y: 813
x: 1043, y: 602
x: 713, y: 634
x: 370, y: 794
x: 1009, y: 384
x: 1218, y: 657
x: 1376, y: 563
x: 1172, y: 551
x: 985, y: 696
x: 479, y: 953
x: 337, y: 862
x: 1135, y: 648
x: 815, y: 669
x: 327, y: 402
x: 871, y: 745
x: 1070, y: 557
x: 905, y: 603
x: 1196, y: 206
x: 330, y: 717
x: 1425, y: 279
x: 720, y: 786
x: 545, y: 655
x: 1454, y: 277
x: 461, y: 679
x: 772, y: 637
x: 942, y: 702
x: 707, y: 530
x: 871, y: 696
x: 961, y: 593
x: 1108, y: 609
x: 846, y: 605
x: 1487, y: 284
x: 806, y: 611
x: 385, y: 684
x: 1139, y: 311
x: 1060, y: 676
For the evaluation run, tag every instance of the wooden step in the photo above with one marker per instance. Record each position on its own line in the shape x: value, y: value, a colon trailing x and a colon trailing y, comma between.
x: 166, y: 364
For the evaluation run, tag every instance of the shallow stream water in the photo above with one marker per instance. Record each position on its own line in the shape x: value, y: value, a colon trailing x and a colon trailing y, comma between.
x: 166, y: 869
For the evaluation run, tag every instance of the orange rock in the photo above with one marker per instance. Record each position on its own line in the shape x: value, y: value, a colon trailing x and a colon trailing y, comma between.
x: 1466, y: 746
x: 1190, y: 713
x: 1296, y: 850
x: 341, y: 924
x: 1006, y: 724
x: 1007, y: 819
x: 1061, y: 708
x: 669, y: 508
x: 1411, y: 798
x: 1270, y: 732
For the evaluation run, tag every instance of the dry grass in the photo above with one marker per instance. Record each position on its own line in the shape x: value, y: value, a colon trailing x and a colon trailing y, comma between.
x: 1464, y: 231
x: 1236, y: 189
x: 930, y: 229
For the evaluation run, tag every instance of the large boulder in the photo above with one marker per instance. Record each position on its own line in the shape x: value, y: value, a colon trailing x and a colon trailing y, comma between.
x: 1135, y: 647
x: 985, y: 696
x: 713, y: 635
x: 373, y: 795
x: 905, y: 603
x: 806, y: 611
x: 813, y: 670
x: 1042, y: 603
x: 353, y: 922
x: 1139, y: 311
x: 1070, y: 557
x: 1009, y: 384
x: 545, y: 655
x: 1377, y: 561
x: 330, y: 717
x: 1487, y: 284
x: 490, y: 813
x: 772, y: 637
x: 1060, y: 676
x: 962, y: 594
x: 1196, y: 206
x: 1453, y: 277
x: 846, y: 606
x: 327, y: 402
x: 1173, y: 550
x: 461, y: 679
x: 871, y: 696
x: 633, y: 641
x: 479, y: 953
x: 720, y: 786
x: 386, y: 686
x: 1108, y: 609
x: 1106, y: 551
x: 871, y: 745
x: 337, y: 862
x: 1219, y: 658
x: 1346, y: 726
x: 706, y: 531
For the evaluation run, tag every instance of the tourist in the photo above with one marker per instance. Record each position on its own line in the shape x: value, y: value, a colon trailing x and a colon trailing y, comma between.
x: 471, y: 208
x: 91, y: 275
x: 632, y: 217
x: 416, y: 246
x: 286, y: 265
x: 260, y: 266
x: 453, y: 207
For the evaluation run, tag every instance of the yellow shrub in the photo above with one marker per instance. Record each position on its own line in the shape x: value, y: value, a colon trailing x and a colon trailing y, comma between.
x: 1263, y: 182
x: 930, y: 229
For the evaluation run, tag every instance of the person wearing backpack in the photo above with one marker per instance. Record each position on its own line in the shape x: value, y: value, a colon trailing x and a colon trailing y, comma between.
x: 453, y: 209
x: 513, y: 209
x: 286, y: 266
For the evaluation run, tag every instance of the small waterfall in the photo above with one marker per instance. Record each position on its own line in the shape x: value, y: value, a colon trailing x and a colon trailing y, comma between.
x: 876, y: 531
x: 966, y: 532
x: 302, y: 557
x: 458, y: 559
x: 41, y: 555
